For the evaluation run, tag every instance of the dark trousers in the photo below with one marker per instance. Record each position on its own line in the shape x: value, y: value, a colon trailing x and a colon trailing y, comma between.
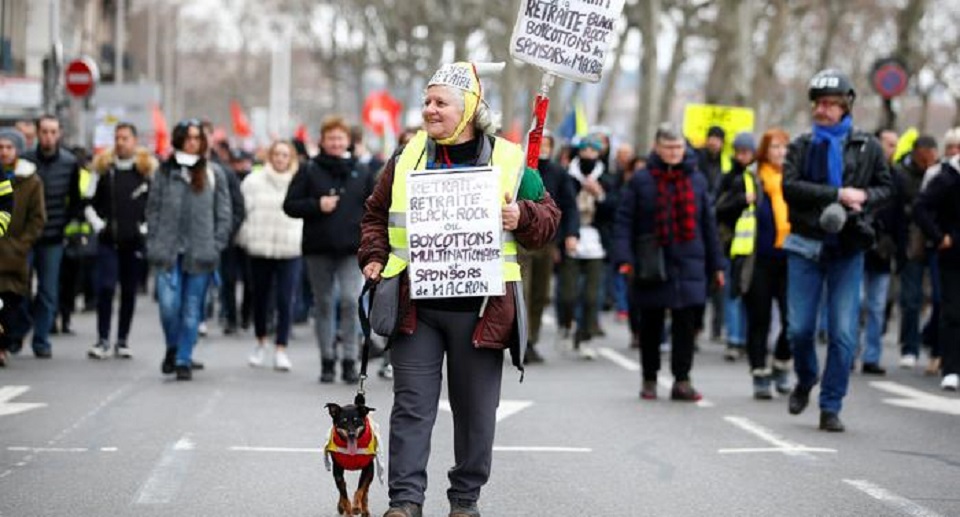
x: 683, y: 328
x: 10, y: 338
x: 950, y: 319
x: 537, y: 270
x: 473, y: 387
x: 277, y: 278
x: 769, y: 284
x: 115, y: 266
x: 235, y: 267
x: 580, y: 287
x: 77, y: 274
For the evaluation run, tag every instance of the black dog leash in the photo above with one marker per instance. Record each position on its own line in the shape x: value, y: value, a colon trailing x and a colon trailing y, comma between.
x: 369, y: 287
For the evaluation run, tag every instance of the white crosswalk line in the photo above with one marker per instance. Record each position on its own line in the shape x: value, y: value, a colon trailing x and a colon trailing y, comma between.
x: 897, y: 502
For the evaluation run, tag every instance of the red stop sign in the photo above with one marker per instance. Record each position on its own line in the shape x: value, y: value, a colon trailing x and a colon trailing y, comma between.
x: 81, y: 75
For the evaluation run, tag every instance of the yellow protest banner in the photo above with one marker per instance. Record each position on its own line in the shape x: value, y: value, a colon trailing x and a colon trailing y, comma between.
x: 698, y: 118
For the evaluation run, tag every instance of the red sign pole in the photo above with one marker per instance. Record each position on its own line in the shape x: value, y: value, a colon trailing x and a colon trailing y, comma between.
x: 540, y: 108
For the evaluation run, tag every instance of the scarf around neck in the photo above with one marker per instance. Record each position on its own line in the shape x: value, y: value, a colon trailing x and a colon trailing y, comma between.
x: 832, y: 138
x: 771, y: 177
x: 676, y: 207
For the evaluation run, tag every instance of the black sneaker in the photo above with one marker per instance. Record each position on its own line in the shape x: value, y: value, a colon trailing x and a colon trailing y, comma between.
x: 169, y: 361
x: 349, y: 374
x: 327, y: 372
x: 873, y: 369
x: 196, y: 365
x: 830, y: 422
x: 799, y: 398
x: 184, y: 373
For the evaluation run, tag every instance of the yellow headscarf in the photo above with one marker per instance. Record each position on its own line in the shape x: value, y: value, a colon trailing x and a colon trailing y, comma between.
x: 463, y: 76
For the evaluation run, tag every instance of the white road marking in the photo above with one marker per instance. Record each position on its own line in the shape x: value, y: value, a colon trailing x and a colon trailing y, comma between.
x: 47, y: 449
x: 917, y: 399
x: 890, y: 499
x: 311, y: 450
x: 749, y: 450
x: 8, y: 393
x: 619, y: 359
x: 781, y: 445
x: 630, y: 365
x: 168, y: 474
x: 498, y: 448
x: 507, y: 408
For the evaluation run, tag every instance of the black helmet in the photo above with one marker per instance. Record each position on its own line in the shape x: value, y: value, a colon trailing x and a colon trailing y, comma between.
x: 831, y: 82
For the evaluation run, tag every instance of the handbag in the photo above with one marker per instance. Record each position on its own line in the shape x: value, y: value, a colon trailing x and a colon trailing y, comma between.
x: 651, y: 266
x: 384, y: 314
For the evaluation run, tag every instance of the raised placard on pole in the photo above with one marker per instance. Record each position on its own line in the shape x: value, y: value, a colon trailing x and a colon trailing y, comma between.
x: 454, y: 233
x: 568, y: 38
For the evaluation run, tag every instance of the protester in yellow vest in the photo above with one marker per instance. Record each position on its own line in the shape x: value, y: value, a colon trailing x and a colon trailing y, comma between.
x: 766, y: 282
x: 471, y: 332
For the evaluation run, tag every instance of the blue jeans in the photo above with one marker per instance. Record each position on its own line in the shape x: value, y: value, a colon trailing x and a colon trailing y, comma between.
x: 875, y: 286
x: 181, y: 297
x: 45, y: 260
x: 911, y: 302
x: 805, y: 282
x: 735, y: 316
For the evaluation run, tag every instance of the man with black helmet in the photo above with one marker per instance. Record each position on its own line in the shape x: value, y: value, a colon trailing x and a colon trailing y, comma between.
x: 834, y: 177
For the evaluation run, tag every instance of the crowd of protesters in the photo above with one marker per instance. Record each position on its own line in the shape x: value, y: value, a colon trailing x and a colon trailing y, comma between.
x: 816, y: 236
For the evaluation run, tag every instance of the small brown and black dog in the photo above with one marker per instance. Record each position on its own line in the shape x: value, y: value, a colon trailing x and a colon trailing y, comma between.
x: 353, y: 444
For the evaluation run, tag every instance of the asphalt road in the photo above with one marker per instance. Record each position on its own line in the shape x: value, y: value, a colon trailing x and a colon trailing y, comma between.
x: 91, y: 438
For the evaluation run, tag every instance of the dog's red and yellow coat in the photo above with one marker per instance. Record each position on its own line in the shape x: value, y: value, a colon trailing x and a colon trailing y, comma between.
x: 353, y: 444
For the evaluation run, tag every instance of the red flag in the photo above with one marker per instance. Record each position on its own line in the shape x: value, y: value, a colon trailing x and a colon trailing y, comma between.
x: 241, y: 126
x: 302, y: 134
x: 161, y: 135
x: 380, y: 113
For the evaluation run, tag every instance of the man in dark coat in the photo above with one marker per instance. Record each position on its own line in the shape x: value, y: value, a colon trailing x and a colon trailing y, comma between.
x: 668, y: 205
x: 834, y: 178
x: 60, y: 173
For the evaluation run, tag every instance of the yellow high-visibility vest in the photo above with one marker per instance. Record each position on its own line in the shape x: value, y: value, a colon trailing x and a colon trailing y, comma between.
x: 6, y: 189
x: 745, y: 232
x: 81, y: 227
x: 506, y: 155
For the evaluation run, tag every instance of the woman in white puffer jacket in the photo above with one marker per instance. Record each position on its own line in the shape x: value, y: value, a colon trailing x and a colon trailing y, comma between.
x: 273, y: 242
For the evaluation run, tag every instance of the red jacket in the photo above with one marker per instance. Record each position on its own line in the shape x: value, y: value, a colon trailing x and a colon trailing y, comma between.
x: 538, y: 225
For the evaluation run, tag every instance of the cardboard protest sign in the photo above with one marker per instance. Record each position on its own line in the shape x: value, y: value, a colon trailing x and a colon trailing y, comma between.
x: 568, y: 38
x: 454, y: 233
x: 697, y: 119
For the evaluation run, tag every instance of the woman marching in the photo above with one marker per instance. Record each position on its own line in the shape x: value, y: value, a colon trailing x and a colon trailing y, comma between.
x: 471, y: 332
x: 188, y: 225
x: 766, y: 281
x: 272, y: 240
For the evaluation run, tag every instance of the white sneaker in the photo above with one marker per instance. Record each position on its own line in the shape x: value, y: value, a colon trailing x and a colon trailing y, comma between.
x: 950, y: 382
x: 908, y: 361
x: 587, y: 352
x: 256, y: 357
x: 202, y: 329
x: 281, y: 362
x: 99, y: 351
